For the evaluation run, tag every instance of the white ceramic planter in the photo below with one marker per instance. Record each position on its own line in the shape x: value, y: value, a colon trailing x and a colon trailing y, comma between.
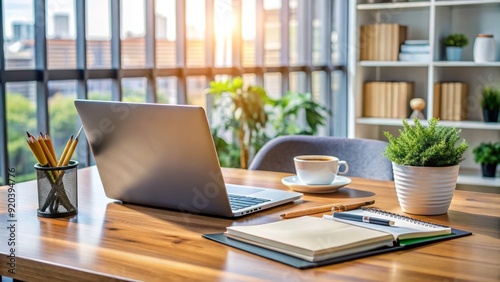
x: 485, y: 48
x: 425, y: 190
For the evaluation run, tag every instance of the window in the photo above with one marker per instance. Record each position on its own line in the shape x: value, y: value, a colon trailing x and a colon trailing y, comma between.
x: 160, y: 51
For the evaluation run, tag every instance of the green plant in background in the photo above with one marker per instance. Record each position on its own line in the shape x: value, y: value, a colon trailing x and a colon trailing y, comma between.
x: 288, y: 111
x: 490, y: 99
x: 456, y: 40
x: 63, y: 120
x: 432, y: 146
x: 244, y: 116
x: 251, y: 116
x: 487, y: 153
x: 21, y: 117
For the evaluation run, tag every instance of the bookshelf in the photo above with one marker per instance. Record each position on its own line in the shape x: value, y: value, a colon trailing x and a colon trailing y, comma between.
x: 428, y: 20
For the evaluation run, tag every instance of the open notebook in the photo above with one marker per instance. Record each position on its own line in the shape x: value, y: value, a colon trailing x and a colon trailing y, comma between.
x: 404, y: 227
x: 307, y: 241
x: 311, y: 238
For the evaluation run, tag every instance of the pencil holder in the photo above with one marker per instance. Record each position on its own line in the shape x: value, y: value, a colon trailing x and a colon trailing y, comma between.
x: 57, y: 190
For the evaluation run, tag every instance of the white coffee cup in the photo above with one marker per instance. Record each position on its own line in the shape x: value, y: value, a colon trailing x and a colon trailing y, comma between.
x: 318, y: 169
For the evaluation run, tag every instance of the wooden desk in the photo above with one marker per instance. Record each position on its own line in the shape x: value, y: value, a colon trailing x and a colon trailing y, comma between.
x: 108, y: 241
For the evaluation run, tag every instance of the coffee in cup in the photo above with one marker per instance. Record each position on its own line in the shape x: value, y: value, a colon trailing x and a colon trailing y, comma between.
x: 318, y: 169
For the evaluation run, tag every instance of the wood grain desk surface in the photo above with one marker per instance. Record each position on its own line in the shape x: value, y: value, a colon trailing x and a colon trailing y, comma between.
x: 107, y: 240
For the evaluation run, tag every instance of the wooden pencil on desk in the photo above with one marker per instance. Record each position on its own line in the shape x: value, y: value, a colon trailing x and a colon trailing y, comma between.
x: 325, y: 208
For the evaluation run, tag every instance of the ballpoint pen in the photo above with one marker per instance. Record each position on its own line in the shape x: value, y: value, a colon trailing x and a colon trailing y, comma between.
x: 363, y: 218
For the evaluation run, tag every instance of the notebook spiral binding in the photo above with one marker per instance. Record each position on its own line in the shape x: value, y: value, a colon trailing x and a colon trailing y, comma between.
x: 402, y: 217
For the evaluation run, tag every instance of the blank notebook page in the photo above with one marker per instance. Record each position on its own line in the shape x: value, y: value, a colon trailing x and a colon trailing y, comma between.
x: 309, y: 235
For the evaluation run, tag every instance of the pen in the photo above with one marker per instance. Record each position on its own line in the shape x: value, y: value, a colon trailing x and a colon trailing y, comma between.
x: 326, y: 208
x: 363, y: 218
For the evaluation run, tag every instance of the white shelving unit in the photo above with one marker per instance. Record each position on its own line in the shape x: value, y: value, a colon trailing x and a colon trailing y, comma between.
x: 429, y: 20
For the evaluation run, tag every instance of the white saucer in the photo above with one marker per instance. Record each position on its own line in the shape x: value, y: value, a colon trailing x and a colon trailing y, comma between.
x: 295, y: 184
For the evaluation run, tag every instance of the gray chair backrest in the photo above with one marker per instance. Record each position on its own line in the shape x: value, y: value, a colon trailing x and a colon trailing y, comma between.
x: 364, y: 156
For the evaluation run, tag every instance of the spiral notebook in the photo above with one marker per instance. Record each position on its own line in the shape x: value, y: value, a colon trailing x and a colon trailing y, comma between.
x: 404, y: 227
x: 291, y: 243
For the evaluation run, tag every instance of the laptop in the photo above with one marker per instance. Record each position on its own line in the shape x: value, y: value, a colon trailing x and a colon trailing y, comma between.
x: 164, y: 156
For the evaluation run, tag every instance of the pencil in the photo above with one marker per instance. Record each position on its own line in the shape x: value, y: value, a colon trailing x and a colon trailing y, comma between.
x: 326, y: 208
x: 39, y: 155
x: 48, y: 141
x: 71, y: 149
x: 38, y: 151
x: 65, y: 151
x: 46, y: 151
x: 33, y: 150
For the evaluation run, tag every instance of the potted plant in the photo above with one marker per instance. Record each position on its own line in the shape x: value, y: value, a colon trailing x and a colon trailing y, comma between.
x: 241, y: 113
x: 490, y: 102
x: 425, y: 163
x: 454, y: 44
x: 245, y: 118
x: 488, y: 155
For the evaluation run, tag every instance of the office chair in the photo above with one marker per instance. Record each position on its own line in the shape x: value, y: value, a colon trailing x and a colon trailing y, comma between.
x: 364, y: 156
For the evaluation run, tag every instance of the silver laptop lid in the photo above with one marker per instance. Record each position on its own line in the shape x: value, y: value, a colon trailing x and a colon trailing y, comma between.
x: 157, y: 155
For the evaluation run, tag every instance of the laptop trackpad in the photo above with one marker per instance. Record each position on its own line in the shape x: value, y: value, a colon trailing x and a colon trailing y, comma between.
x: 241, y: 189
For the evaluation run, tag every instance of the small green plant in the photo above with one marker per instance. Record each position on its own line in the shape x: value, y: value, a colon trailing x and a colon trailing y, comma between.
x: 491, y: 98
x: 456, y: 40
x: 431, y: 146
x: 487, y: 153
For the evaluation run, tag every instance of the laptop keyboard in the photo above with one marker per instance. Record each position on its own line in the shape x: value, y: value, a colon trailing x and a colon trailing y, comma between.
x: 240, y: 202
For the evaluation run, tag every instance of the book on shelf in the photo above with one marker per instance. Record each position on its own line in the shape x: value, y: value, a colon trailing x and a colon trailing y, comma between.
x: 390, y: 106
x: 308, y: 241
x: 445, y: 102
x: 381, y: 102
x: 415, y: 49
x: 450, y: 101
x: 460, y: 101
x: 397, y: 100
x: 375, y: 41
x: 399, y: 36
x: 367, y: 100
x: 406, y: 93
x: 436, y: 101
x: 381, y: 41
x: 416, y: 42
x: 415, y: 57
x: 387, y: 99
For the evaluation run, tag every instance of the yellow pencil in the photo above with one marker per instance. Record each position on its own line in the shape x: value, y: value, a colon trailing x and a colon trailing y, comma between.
x: 65, y: 151
x: 72, y: 148
x: 48, y: 141
x: 39, y: 151
x: 46, y: 151
x: 33, y: 150
x: 40, y: 157
x: 32, y: 147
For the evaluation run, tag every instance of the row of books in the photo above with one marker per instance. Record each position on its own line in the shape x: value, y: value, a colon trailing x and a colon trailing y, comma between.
x: 450, y: 100
x: 415, y: 51
x: 381, y: 41
x: 387, y: 99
